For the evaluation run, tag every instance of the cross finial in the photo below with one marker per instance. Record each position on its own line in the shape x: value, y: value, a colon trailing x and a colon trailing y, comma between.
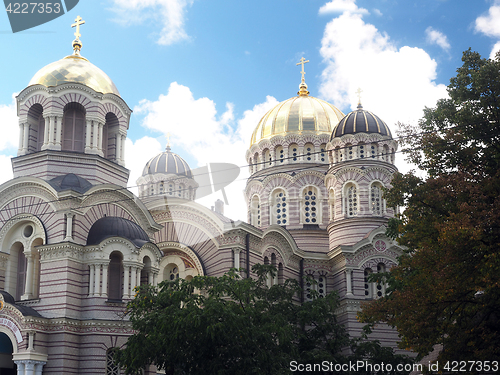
x: 302, y: 62
x: 168, y: 141
x: 358, y: 92
x: 78, y: 22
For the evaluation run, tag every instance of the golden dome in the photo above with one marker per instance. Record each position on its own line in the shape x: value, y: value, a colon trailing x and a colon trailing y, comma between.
x: 302, y: 114
x: 75, y: 68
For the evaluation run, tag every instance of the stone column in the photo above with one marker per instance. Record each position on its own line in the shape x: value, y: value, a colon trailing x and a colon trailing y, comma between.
x: 155, y: 279
x: 20, y: 367
x: 69, y: 226
x: 91, y: 280
x: 58, y: 144
x: 52, y: 128
x: 31, y: 338
x: 104, y: 292
x: 100, y: 131
x: 150, y: 277
x: 88, y: 137
x: 122, y: 155
x: 39, y: 368
x: 28, y: 291
x: 138, y: 277
x: 133, y: 280
x: 21, y: 139
x: 26, y: 135
x: 126, y: 288
x: 236, y: 258
x: 348, y: 279
x: 97, y: 287
x: 29, y: 368
x: 118, y: 151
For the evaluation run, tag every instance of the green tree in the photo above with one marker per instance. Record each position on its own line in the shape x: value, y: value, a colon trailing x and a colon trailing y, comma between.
x: 232, y: 325
x: 446, y: 288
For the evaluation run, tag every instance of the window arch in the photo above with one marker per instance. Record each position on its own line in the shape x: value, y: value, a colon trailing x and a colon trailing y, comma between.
x: 268, y: 158
x: 280, y: 154
x: 376, y: 201
x: 111, y: 367
x: 36, y: 123
x: 171, y: 272
x: 73, y: 127
x: 331, y: 203
x: 385, y: 154
x: 146, y: 270
x: 309, y: 152
x: 361, y: 150
x: 374, y: 151
x: 349, y: 151
x: 279, y: 207
x: 310, y: 206
x: 115, y: 276
x: 19, y: 267
x: 322, y: 154
x: 255, y: 218
x: 351, y: 200
x: 109, y: 134
x: 293, y: 152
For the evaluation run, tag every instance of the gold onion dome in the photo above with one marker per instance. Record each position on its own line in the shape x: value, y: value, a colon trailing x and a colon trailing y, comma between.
x: 361, y: 121
x: 167, y: 163
x: 302, y: 114
x: 75, y: 69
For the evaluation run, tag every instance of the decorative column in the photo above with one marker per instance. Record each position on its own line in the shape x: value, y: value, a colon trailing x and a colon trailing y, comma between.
x: 122, y: 155
x: 31, y: 339
x: 100, y: 131
x: 150, y: 277
x: 97, y: 287
x: 20, y: 367
x: 69, y: 226
x: 52, y: 127
x: 118, y: 150
x: 26, y: 135
x: 138, y: 277
x: 237, y: 258
x: 88, y: 137
x: 29, y: 367
x: 348, y: 276
x: 155, y: 278
x: 104, y: 292
x: 21, y: 138
x: 58, y: 145
x: 133, y: 280
x: 91, y: 280
x: 28, y: 291
x: 126, y: 277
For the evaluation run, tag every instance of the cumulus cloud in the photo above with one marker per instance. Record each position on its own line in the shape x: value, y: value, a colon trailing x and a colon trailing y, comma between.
x: 197, y: 128
x: 494, y: 50
x: 169, y: 13
x: 437, y: 37
x: 341, y: 6
x: 137, y: 154
x: 397, y: 83
x: 490, y: 24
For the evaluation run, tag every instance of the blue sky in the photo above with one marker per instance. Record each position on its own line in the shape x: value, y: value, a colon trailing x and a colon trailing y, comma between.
x: 206, y: 71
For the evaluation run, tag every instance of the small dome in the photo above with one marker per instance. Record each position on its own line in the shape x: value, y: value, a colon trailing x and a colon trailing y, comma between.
x: 302, y: 114
x: 74, y: 68
x: 112, y: 226
x: 167, y: 163
x: 360, y: 121
x: 70, y: 181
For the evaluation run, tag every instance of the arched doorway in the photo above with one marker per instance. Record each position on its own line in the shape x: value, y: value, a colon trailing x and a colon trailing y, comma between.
x: 7, y: 365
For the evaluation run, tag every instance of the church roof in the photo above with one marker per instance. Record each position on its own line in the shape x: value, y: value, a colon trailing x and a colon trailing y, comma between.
x: 70, y: 181
x: 112, y: 226
x: 25, y: 310
x: 167, y: 162
x: 360, y: 121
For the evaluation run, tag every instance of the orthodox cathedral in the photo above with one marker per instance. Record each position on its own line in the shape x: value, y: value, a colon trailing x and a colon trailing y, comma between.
x: 75, y: 242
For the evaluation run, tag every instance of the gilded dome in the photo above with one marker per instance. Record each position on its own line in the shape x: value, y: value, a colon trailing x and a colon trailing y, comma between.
x: 361, y: 121
x: 75, y: 68
x: 302, y: 114
x: 167, y: 163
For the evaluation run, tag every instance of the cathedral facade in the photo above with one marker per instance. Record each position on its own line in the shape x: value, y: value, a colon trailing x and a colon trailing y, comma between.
x: 75, y: 242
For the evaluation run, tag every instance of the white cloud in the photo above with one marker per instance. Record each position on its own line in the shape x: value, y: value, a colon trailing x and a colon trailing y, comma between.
x: 490, y: 24
x: 397, y: 83
x: 5, y: 168
x: 196, y: 128
x: 495, y: 49
x: 137, y: 154
x: 341, y: 6
x: 169, y: 13
x: 9, y: 125
x: 437, y: 37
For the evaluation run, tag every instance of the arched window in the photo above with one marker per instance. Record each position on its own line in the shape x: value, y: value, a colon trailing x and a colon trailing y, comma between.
x: 386, y: 153
x: 109, y: 133
x: 268, y: 158
x: 361, y: 150
x: 351, y: 201
x: 380, y: 286
x: 111, y: 367
x: 281, y: 278
x: 293, y: 152
x: 115, y: 276
x: 19, y: 265
x: 170, y: 187
x: 255, y: 211
x: 322, y: 155
x: 338, y: 154
x: 171, y: 272
x: 374, y: 151
x: 376, y: 203
x: 146, y: 269
x: 309, y: 152
x: 256, y: 161
x: 279, y: 207
x: 309, y: 287
x: 273, y: 263
x: 368, y: 286
x: 331, y: 203
x: 280, y: 154
x: 322, y: 286
x: 73, y: 128
x: 250, y: 165
x: 181, y: 190
x: 36, y: 128
x: 349, y: 151
x: 310, y: 206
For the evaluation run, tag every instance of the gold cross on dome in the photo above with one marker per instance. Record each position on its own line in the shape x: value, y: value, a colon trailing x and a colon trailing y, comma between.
x: 359, y: 95
x: 78, y: 22
x: 302, y: 62
x: 168, y: 139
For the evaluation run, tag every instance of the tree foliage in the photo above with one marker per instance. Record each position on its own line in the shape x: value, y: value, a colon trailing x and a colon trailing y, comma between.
x: 233, y: 325
x: 446, y: 288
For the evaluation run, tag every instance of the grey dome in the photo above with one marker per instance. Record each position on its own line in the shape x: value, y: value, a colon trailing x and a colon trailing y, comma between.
x: 112, y: 226
x: 167, y: 163
x: 70, y: 181
x: 360, y: 121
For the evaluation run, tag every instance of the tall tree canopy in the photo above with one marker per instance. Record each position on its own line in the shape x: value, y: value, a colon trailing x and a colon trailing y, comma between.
x: 446, y: 288
x: 232, y: 325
